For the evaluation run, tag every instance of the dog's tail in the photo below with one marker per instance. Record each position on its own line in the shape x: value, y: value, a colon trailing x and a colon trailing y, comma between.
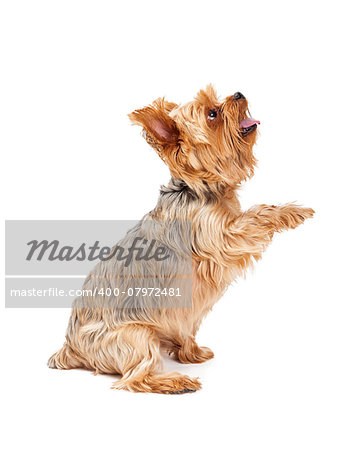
x: 64, y: 359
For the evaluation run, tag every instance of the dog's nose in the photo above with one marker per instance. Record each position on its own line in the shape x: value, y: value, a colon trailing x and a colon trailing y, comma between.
x: 238, y: 96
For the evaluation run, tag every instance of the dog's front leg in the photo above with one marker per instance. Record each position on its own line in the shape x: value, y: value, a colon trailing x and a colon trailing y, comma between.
x: 250, y: 233
x: 279, y: 218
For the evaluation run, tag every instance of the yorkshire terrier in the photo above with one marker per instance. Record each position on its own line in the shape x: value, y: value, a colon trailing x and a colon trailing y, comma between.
x: 208, y: 147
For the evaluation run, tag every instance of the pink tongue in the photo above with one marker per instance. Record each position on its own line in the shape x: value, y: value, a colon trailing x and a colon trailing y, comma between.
x: 246, y: 123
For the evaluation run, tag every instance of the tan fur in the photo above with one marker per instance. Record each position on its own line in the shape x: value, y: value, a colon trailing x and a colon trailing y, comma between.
x: 208, y: 159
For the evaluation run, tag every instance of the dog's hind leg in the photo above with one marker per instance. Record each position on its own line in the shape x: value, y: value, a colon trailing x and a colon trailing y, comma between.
x: 140, y: 361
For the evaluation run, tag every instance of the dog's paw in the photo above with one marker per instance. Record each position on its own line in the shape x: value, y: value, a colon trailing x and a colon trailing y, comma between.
x: 305, y: 213
x: 291, y: 216
x: 194, y: 355
x: 300, y: 214
x: 181, y: 385
x: 172, y: 383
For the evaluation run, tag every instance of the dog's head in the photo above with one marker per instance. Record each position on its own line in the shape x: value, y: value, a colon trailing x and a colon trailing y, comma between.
x: 205, y: 140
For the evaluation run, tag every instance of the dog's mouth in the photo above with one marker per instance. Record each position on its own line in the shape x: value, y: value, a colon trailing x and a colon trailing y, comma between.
x: 248, y: 125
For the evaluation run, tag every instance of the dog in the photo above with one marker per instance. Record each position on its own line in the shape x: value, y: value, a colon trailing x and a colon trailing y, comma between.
x: 208, y: 146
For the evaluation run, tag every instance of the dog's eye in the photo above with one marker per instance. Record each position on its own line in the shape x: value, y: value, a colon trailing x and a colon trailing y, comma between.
x: 212, y: 114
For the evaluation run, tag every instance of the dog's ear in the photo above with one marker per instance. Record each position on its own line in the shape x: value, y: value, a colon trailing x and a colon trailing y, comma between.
x: 160, y: 129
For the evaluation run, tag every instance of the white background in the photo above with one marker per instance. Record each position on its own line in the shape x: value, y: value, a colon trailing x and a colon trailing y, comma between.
x: 286, y: 340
